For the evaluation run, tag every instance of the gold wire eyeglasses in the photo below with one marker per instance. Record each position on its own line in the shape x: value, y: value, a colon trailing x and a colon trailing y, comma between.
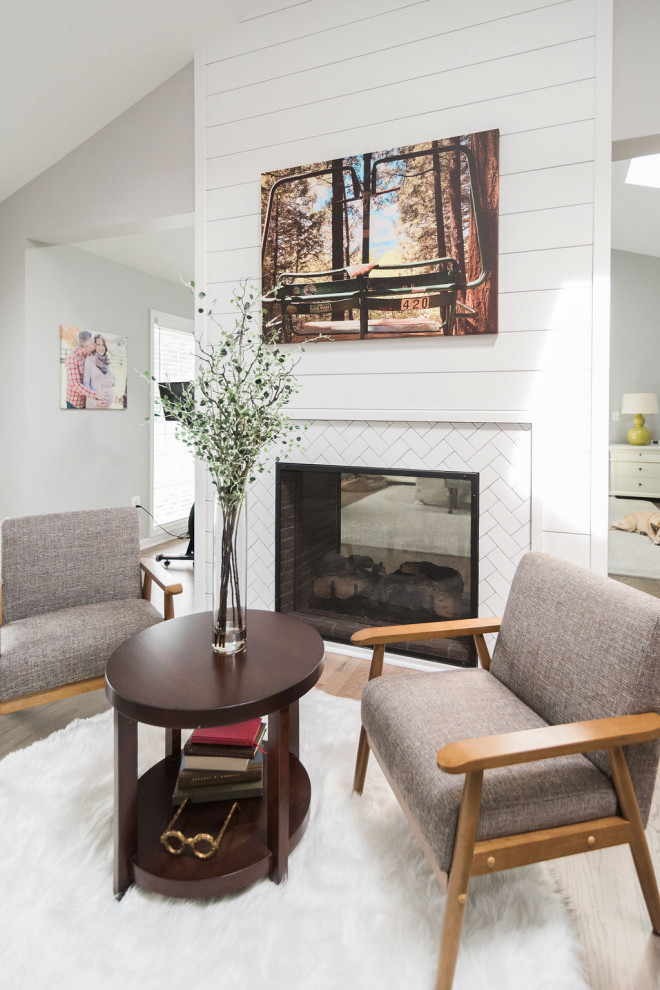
x: 202, y: 845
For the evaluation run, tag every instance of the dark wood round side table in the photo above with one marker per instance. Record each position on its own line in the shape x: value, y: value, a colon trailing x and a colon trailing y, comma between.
x: 168, y: 675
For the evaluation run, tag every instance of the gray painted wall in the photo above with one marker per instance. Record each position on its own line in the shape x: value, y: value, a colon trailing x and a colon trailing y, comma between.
x: 137, y: 171
x: 635, y: 335
x: 84, y: 459
x: 636, y: 70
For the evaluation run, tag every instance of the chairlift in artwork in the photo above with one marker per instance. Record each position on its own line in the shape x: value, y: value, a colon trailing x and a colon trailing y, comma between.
x: 406, y: 235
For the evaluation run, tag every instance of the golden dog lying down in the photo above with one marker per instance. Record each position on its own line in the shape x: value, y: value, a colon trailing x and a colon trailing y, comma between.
x: 646, y: 523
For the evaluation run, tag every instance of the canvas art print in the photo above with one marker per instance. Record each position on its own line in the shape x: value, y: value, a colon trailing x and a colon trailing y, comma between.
x: 93, y: 369
x: 393, y: 243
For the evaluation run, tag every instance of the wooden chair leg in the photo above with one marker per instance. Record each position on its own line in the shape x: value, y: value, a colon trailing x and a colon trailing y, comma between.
x: 362, y: 760
x: 459, y: 877
x: 638, y: 844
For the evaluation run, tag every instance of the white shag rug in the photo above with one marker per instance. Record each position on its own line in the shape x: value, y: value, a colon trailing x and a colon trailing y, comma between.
x: 631, y: 554
x: 361, y: 909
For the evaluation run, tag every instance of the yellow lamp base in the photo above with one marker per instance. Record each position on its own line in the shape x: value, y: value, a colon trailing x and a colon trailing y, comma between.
x: 638, y: 435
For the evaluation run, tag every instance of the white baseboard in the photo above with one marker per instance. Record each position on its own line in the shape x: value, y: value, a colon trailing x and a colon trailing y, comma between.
x: 158, y: 536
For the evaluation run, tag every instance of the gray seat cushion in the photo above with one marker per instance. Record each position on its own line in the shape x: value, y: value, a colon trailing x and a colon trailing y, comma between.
x: 67, y: 646
x: 410, y: 717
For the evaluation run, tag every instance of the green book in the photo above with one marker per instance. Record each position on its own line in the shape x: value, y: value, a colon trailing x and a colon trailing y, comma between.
x: 219, y: 792
x: 210, y: 778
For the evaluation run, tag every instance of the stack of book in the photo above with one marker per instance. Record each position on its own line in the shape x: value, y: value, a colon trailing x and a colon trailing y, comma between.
x: 223, y: 763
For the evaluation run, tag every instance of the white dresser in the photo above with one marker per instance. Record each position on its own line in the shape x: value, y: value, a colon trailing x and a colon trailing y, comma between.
x: 635, y: 470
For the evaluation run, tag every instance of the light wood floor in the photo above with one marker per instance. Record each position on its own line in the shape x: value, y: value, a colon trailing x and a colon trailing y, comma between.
x: 600, y: 889
x: 650, y: 585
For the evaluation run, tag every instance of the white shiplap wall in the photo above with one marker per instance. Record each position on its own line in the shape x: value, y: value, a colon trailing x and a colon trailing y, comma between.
x: 304, y: 82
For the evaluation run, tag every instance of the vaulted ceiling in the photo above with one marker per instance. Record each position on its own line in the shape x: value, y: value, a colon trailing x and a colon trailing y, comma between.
x: 68, y: 68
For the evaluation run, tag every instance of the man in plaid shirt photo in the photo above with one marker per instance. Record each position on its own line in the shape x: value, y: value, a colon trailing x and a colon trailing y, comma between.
x: 76, y: 392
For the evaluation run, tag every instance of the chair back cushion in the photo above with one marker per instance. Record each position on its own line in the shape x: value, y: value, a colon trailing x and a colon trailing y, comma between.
x: 576, y: 646
x: 64, y: 559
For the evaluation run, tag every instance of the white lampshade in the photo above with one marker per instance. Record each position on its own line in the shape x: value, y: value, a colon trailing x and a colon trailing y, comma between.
x: 639, y: 402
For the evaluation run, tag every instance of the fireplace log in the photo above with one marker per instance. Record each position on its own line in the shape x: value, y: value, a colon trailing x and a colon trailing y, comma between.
x: 342, y: 586
x: 448, y: 577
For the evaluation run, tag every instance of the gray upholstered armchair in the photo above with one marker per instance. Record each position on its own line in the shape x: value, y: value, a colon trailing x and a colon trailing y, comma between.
x: 72, y: 592
x: 551, y: 749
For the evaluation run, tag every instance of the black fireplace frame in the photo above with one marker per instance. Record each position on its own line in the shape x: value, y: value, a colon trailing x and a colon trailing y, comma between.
x: 471, y: 477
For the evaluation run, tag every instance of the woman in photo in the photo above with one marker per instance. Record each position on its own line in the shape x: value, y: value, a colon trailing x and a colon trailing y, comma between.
x: 99, y: 375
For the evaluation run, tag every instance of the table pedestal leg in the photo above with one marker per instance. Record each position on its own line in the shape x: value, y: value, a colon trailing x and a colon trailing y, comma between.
x: 294, y: 729
x: 125, y: 818
x: 172, y: 742
x: 278, y: 793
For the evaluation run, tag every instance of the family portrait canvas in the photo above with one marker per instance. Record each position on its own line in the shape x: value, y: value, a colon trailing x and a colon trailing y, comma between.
x: 93, y: 369
x: 395, y: 243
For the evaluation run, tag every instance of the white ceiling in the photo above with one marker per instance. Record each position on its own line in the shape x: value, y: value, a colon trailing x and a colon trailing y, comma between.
x: 635, y: 214
x: 68, y: 68
x: 167, y: 253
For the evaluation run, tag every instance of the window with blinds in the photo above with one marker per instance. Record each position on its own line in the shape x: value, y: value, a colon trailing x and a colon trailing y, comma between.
x: 173, y: 465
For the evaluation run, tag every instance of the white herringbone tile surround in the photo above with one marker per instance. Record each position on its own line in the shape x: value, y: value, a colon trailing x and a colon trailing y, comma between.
x: 499, y: 452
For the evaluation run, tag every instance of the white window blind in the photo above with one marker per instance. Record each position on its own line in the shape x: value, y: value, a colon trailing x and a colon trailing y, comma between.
x: 173, y: 473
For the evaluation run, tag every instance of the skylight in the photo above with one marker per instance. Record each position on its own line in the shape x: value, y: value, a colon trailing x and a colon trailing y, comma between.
x: 644, y: 171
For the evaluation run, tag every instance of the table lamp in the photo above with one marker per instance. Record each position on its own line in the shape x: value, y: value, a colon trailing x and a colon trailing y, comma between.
x: 639, y: 403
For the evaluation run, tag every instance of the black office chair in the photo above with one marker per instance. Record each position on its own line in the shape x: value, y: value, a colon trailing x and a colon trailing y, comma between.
x: 177, y: 391
x: 167, y: 558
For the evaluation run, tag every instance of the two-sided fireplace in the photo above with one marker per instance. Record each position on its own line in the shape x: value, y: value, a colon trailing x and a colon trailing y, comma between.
x: 358, y: 547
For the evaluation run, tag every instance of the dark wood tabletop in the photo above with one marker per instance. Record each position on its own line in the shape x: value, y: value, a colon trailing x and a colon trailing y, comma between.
x: 168, y: 675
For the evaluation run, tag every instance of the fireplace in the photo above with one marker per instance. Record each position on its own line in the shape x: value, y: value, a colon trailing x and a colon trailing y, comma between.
x: 359, y: 547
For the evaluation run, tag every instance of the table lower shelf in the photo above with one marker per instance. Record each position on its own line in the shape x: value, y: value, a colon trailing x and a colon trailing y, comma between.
x: 243, y: 855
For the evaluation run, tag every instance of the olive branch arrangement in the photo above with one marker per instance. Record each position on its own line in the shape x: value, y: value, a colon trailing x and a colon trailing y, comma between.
x: 231, y: 414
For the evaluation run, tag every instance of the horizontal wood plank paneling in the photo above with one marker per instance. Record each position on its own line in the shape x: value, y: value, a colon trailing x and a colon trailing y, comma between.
x: 497, y: 390
x: 550, y: 106
x: 231, y: 266
x: 524, y: 351
x: 307, y: 20
x: 539, y: 229
x: 546, y: 309
x: 567, y: 185
x: 553, y: 269
x: 234, y: 200
x: 233, y: 233
x: 316, y: 20
x: 311, y: 81
x: 385, y: 58
x: 553, y: 66
x: 346, y: 42
x: 547, y: 147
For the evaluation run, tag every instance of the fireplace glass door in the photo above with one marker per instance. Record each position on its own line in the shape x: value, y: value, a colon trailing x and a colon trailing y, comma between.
x: 358, y: 547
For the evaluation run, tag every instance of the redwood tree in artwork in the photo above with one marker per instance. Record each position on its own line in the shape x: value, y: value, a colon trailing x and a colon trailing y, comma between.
x: 455, y: 244
x: 485, y: 147
x: 337, y: 225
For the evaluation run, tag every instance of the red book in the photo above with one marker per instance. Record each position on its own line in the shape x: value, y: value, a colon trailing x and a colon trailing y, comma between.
x: 239, y: 734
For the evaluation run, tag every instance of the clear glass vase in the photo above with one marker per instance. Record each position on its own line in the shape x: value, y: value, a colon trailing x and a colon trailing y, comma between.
x: 229, y: 578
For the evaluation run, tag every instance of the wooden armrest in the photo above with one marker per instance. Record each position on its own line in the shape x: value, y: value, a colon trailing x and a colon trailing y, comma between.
x: 152, y: 572
x: 527, y: 745
x: 151, y: 568
x: 425, y: 630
